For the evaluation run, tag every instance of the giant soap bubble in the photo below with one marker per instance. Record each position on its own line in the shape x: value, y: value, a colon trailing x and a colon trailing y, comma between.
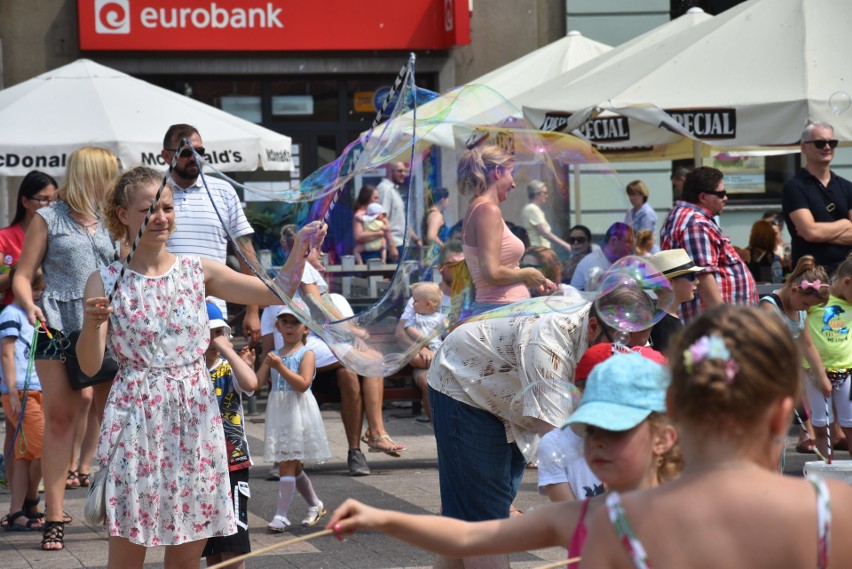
x: 652, y: 295
x: 428, y: 134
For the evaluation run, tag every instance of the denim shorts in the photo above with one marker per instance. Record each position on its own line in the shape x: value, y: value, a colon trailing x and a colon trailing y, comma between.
x: 479, y: 473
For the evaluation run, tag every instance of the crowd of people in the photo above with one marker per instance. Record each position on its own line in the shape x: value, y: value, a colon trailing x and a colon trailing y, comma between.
x: 116, y: 327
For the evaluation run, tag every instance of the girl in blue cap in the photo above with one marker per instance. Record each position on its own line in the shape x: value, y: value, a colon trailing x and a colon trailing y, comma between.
x: 628, y: 443
x: 735, y: 379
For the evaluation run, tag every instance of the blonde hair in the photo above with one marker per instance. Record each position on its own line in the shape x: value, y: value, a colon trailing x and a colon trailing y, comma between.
x: 474, y: 166
x: 731, y: 394
x: 90, y: 173
x: 670, y: 463
x: 431, y: 291
x: 120, y: 195
x: 639, y: 188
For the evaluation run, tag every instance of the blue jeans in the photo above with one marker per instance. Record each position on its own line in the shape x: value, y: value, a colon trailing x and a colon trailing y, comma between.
x: 479, y: 473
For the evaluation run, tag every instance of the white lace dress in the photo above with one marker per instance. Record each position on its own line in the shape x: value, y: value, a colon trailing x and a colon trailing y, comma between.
x: 168, y: 480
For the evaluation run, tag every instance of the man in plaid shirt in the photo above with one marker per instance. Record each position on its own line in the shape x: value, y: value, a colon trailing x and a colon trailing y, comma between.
x: 690, y: 226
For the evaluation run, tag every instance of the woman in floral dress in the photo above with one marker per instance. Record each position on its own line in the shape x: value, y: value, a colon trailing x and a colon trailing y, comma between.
x: 167, y: 478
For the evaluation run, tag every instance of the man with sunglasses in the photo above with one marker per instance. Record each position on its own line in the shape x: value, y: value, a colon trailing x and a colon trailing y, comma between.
x: 817, y: 202
x: 199, y: 231
x: 690, y: 225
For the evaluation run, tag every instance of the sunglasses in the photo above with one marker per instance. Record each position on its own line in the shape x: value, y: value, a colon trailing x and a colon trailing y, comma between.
x: 526, y: 266
x: 820, y: 144
x: 720, y: 194
x: 688, y: 276
x: 43, y: 201
x: 187, y: 152
x: 577, y: 240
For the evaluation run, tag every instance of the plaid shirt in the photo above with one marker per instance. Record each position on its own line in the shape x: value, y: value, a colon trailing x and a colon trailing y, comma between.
x: 691, y: 227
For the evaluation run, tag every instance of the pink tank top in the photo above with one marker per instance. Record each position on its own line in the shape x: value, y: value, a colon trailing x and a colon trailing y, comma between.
x: 511, y: 251
x: 578, y: 538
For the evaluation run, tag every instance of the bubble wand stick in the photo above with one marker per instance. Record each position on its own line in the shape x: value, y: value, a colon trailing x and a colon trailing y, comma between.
x: 231, y: 562
x: 827, y: 431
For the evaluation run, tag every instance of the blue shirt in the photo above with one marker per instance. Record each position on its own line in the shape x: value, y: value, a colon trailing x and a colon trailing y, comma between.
x: 14, y: 324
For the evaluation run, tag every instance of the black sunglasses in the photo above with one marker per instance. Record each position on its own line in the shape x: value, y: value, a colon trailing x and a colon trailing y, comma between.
x: 688, y: 276
x: 187, y: 152
x: 820, y: 144
x: 720, y: 194
x: 577, y: 240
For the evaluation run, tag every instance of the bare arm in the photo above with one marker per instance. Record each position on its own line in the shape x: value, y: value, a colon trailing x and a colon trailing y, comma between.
x: 545, y: 232
x: 251, y: 320
x: 362, y: 235
x: 806, y: 344
x: 546, y: 526
x: 235, y: 287
x: 243, y: 373
x: 10, y: 375
x: 92, y: 341
x: 835, y: 232
x: 487, y: 225
x: 32, y: 255
x: 708, y: 289
x: 433, y: 224
x: 560, y: 492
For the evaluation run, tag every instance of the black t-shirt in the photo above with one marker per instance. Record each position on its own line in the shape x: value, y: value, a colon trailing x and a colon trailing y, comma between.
x: 803, y: 192
x: 664, y: 332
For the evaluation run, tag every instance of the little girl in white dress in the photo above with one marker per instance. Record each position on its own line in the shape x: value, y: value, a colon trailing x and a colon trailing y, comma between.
x: 294, y: 430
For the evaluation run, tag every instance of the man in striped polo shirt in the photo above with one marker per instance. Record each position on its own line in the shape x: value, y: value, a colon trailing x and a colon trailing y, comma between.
x: 201, y: 231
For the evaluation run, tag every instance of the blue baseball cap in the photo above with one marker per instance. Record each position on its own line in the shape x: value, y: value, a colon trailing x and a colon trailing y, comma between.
x: 217, y: 320
x: 621, y: 392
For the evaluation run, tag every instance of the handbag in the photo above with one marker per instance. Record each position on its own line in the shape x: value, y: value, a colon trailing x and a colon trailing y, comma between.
x: 95, y: 510
x: 65, y: 346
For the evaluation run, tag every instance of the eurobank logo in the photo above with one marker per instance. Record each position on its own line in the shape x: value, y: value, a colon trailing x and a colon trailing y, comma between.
x: 270, y: 25
x: 112, y: 16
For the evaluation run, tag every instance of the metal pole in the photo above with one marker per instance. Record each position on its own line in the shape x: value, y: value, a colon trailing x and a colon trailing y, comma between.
x: 578, y: 205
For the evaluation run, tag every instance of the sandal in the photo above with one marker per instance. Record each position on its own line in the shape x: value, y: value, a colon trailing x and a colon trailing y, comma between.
x: 29, y: 525
x: 84, y: 480
x: 31, y: 510
x: 54, y: 533
x: 806, y: 447
x: 4, y: 521
x: 72, y: 481
x: 373, y: 445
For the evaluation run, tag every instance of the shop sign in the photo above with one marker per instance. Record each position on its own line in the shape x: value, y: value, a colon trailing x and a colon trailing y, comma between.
x: 272, y: 25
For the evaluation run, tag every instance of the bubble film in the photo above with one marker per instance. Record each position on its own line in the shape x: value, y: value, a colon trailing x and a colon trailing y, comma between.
x: 633, y: 295
x: 428, y: 134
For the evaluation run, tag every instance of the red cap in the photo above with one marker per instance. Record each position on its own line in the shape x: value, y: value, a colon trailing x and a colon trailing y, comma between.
x: 601, y: 352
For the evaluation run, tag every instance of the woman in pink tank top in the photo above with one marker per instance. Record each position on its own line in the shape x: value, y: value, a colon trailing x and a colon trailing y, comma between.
x: 491, y: 251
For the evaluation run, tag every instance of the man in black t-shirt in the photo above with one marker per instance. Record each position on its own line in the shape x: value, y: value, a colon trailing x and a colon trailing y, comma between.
x: 817, y: 202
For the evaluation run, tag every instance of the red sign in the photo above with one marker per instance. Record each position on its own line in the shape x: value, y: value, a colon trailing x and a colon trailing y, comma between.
x: 272, y: 25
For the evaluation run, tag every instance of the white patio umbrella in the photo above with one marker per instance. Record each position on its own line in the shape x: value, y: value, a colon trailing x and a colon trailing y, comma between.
x: 490, y: 99
x: 44, y: 119
x: 749, y: 79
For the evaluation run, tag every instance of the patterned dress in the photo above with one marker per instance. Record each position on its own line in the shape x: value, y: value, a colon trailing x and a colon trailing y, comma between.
x: 168, y: 480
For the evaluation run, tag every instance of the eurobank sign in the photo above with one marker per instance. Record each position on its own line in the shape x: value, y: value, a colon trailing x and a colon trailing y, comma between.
x: 272, y: 25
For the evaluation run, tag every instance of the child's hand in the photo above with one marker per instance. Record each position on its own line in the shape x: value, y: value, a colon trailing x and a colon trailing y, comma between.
x: 248, y: 355
x: 352, y: 516
x: 824, y: 385
x: 221, y: 343
x: 272, y: 360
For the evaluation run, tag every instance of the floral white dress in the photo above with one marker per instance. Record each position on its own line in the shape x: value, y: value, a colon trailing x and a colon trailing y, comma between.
x: 168, y: 480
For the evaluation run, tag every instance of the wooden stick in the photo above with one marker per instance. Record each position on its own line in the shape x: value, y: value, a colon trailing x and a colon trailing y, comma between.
x: 558, y: 563
x: 271, y: 548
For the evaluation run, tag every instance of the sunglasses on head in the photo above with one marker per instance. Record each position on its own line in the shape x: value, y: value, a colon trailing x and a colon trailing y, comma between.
x: 820, y: 144
x: 187, y: 152
x: 577, y: 240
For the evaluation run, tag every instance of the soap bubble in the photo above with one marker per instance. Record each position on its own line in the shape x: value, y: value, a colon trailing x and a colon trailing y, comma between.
x: 553, y: 398
x: 839, y: 102
x: 428, y: 134
x: 633, y: 295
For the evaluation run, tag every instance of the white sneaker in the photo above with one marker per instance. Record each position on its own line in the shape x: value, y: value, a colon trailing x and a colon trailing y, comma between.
x: 314, y: 514
x: 278, y: 524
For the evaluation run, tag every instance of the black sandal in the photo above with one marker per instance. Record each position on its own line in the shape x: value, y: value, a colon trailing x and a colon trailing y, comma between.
x: 54, y: 532
x: 30, y: 525
x: 31, y: 508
